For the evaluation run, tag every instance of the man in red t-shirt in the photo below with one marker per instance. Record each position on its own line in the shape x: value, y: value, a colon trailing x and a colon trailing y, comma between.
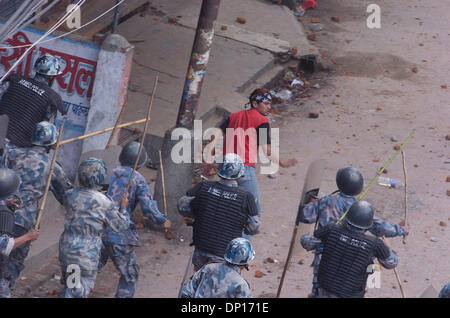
x: 245, y: 131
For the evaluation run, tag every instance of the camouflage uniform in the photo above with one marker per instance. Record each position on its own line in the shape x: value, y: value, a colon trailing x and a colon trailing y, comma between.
x: 217, y: 280
x: 120, y: 246
x: 6, y: 245
x: 445, y: 291
x: 332, y: 207
x: 88, y: 213
x: 33, y: 166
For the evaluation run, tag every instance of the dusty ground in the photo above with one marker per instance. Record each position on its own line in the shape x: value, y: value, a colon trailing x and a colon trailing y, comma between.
x: 370, y: 95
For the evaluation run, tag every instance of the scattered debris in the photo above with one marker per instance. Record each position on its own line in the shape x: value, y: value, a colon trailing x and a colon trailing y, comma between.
x: 269, y: 260
x: 402, y: 223
x: 56, y: 277
x: 315, y: 20
x: 448, y: 193
x: 164, y: 251
x: 224, y: 28
x: 442, y: 223
x: 301, y: 262
x: 316, y: 27
x: 272, y: 176
x: 444, y: 86
x: 173, y: 20
x: 447, y: 137
x: 311, y: 37
x: 53, y: 292
x: 241, y: 20
x: 294, y: 50
x: 259, y: 274
x: 284, y: 94
x: 316, y: 86
x: 434, y: 239
x: 297, y: 83
x: 415, y: 69
x: 416, y: 166
x: 336, y: 19
x: 448, y: 179
x: 397, y: 147
x: 394, y: 139
x: 313, y: 115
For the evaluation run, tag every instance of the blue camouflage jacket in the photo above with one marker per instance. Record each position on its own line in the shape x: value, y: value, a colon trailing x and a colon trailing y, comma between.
x: 217, y: 280
x: 139, y: 192
x: 333, y: 206
x: 88, y: 213
x: 32, y: 166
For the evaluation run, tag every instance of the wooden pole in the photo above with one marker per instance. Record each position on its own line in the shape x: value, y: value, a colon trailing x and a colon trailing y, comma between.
x: 163, y: 184
x: 143, y: 137
x: 399, y: 283
x: 119, y: 119
x: 47, y: 186
x: 286, y: 265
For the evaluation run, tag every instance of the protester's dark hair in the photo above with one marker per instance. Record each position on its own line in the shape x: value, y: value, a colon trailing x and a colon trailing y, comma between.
x: 258, y: 91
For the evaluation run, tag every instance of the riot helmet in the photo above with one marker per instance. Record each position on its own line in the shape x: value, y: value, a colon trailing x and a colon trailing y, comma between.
x: 349, y: 181
x: 232, y: 167
x: 92, y: 172
x: 239, y: 252
x: 48, y: 65
x: 45, y: 134
x: 9, y: 183
x: 360, y: 215
x: 129, y: 154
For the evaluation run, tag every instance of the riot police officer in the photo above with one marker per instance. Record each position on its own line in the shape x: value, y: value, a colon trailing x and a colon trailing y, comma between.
x: 330, y: 208
x: 222, y: 279
x: 120, y: 246
x: 28, y: 101
x: 9, y: 203
x: 348, y: 253
x: 221, y: 211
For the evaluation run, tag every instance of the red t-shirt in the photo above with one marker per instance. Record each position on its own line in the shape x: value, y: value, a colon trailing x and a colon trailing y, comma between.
x: 245, y: 137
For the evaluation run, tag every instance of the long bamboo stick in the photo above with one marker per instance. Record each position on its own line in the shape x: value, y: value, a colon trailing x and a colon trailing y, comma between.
x: 163, y: 184
x: 95, y: 133
x: 47, y: 186
x: 143, y: 137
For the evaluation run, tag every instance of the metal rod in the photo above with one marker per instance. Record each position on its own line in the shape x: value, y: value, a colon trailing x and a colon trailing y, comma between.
x: 197, y: 64
x: 116, y: 18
